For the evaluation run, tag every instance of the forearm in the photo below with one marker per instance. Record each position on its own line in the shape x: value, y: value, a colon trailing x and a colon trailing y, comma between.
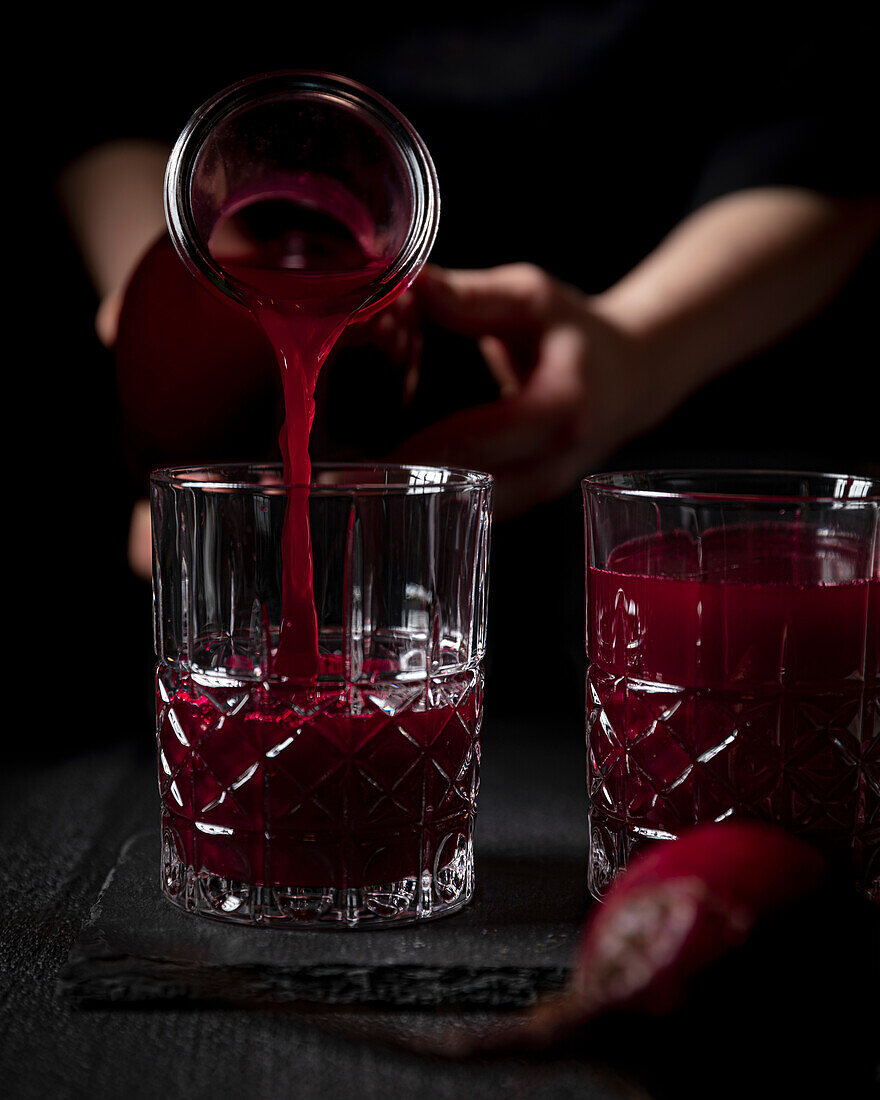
x: 111, y: 198
x: 190, y: 368
x: 732, y: 279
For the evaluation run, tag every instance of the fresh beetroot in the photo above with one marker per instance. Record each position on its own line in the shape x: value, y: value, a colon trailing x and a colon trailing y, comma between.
x: 685, y: 904
x: 678, y: 908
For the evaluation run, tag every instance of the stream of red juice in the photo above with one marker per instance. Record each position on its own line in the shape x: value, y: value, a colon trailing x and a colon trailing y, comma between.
x: 736, y: 677
x: 286, y: 786
x: 302, y: 255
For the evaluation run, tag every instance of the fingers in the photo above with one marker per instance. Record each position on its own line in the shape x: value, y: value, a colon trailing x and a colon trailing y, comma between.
x: 107, y: 318
x: 391, y: 330
x: 394, y: 339
x: 527, y: 472
x: 501, y: 364
x: 140, y: 541
x: 504, y: 435
x: 495, y: 301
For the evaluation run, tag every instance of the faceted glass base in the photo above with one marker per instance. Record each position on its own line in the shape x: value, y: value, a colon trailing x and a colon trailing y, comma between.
x: 431, y: 895
x: 610, y: 848
x: 613, y: 844
x: 663, y: 758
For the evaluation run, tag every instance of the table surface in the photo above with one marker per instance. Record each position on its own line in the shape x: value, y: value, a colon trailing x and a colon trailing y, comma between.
x: 62, y: 825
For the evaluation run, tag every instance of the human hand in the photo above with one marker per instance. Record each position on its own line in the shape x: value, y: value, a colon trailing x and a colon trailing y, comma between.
x: 572, y: 386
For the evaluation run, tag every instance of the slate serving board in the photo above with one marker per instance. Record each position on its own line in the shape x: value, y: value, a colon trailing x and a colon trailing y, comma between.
x: 514, y: 941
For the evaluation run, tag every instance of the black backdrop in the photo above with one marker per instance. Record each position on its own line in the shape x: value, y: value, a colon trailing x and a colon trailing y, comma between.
x: 573, y: 137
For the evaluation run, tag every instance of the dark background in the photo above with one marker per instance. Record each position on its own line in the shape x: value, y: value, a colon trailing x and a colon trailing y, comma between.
x: 574, y: 137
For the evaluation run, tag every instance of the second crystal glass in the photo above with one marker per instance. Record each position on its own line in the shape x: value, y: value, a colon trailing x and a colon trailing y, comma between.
x: 733, y: 635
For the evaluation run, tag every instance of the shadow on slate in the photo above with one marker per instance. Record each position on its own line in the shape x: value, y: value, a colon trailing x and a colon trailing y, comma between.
x: 512, y: 943
x: 499, y: 951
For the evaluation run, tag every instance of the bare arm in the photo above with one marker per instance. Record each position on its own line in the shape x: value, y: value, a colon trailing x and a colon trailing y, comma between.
x: 111, y: 197
x: 187, y: 365
x: 735, y: 277
x: 582, y: 374
x: 196, y: 375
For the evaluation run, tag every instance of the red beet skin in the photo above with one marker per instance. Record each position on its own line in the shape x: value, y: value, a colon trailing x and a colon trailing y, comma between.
x: 683, y: 905
x: 680, y: 906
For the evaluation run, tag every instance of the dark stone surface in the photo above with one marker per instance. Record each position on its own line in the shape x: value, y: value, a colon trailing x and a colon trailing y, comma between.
x: 794, y: 1015
x: 62, y: 827
x: 512, y: 942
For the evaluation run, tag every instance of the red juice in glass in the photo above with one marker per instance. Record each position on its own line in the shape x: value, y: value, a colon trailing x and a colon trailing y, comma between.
x: 300, y: 248
x: 734, y: 674
x: 276, y: 787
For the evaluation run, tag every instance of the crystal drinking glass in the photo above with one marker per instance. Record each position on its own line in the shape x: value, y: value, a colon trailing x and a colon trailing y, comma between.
x: 346, y: 799
x: 733, y: 638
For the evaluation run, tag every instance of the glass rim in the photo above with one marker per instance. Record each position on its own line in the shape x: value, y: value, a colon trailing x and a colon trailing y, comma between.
x: 446, y: 479
x: 179, y: 216
x: 612, y: 483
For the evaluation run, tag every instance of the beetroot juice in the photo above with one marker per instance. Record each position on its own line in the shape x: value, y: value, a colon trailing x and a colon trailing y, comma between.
x: 303, y: 256
x: 276, y: 787
x: 733, y: 675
